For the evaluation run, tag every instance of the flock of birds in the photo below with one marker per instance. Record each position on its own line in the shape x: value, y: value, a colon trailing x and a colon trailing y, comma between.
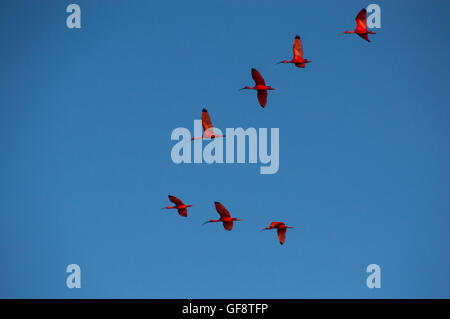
x: 261, y: 88
x: 225, y: 217
x: 299, y: 61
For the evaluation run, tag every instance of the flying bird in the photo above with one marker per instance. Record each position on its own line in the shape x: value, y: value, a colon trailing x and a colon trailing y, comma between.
x: 281, y: 230
x: 361, y: 26
x: 179, y: 205
x: 298, y: 54
x: 208, y: 128
x: 225, y: 217
x: 260, y: 86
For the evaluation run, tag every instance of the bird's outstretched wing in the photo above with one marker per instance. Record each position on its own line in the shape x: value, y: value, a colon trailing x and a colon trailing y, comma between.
x: 228, y: 225
x: 298, y: 48
x: 281, y: 235
x: 223, y: 212
x: 262, y: 97
x: 183, y: 212
x: 364, y: 36
x: 206, y: 122
x: 175, y: 200
x: 276, y: 224
x: 259, y: 80
x: 361, y: 21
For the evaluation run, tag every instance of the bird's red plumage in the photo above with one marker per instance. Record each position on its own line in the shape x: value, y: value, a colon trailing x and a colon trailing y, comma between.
x: 361, y: 21
x: 223, y: 212
x: 298, y: 49
x: 262, y: 97
x: 228, y: 225
x: 281, y: 235
x: 259, y: 80
x: 183, y: 212
x: 175, y: 200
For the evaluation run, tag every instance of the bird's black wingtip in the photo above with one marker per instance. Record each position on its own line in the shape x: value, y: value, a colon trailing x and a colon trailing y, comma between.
x: 297, y: 36
x: 216, y: 203
x: 170, y: 196
x: 253, y: 69
x: 204, y: 110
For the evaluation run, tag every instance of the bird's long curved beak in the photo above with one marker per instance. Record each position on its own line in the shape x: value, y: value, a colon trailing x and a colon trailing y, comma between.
x: 205, y: 223
x: 279, y: 62
x: 241, y: 89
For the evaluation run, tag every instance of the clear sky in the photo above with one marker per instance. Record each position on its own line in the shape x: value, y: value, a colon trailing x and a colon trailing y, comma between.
x: 85, y: 123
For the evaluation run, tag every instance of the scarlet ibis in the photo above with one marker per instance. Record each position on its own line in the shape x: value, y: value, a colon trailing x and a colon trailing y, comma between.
x: 179, y: 205
x: 260, y: 86
x: 361, y: 26
x: 225, y: 217
x: 298, y: 54
x: 208, y: 129
x: 281, y: 230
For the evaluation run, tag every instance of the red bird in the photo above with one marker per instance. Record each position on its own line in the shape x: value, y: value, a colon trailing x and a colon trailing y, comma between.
x: 208, y: 128
x: 281, y: 230
x: 225, y: 217
x: 361, y: 26
x: 260, y: 87
x: 298, y: 54
x: 179, y: 205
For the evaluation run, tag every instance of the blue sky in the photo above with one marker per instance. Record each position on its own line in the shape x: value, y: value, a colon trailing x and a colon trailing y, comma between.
x: 85, y: 123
